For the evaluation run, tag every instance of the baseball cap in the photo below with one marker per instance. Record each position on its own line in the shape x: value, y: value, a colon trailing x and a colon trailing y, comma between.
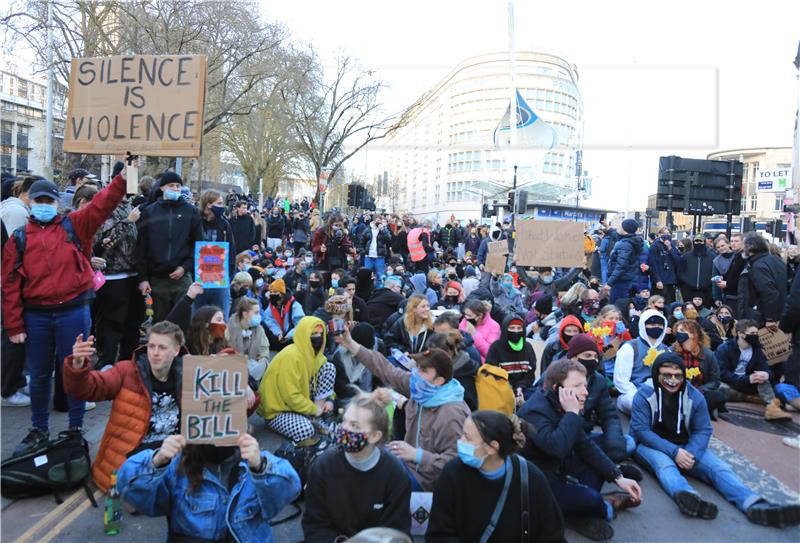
x: 43, y: 188
x: 80, y: 172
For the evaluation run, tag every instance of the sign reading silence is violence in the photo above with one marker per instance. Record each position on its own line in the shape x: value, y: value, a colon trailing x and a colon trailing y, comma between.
x: 141, y: 104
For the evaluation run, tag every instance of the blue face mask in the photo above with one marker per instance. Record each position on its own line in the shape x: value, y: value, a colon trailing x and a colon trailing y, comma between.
x: 334, y: 283
x: 255, y: 320
x: 678, y: 315
x: 172, y: 195
x: 620, y: 328
x: 466, y: 452
x: 259, y: 283
x: 44, y: 212
x: 421, y: 390
x: 547, y: 279
x: 509, y: 286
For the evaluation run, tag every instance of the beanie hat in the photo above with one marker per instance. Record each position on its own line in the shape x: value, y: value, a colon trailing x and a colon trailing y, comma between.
x: 278, y: 286
x: 170, y: 177
x: 580, y: 344
x: 338, y: 304
x: 630, y: 226
x: 456, y: 285
x: 364, y: 334
x: 544, y: 305
x: 516, y: 320
x: 469, y: 271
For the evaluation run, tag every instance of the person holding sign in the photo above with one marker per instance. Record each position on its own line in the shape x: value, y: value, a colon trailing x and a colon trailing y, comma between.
x: 210, y: 493
x: 216, y: 228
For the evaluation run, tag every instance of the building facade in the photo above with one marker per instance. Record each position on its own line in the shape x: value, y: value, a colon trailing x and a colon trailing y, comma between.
x: 442, y: 160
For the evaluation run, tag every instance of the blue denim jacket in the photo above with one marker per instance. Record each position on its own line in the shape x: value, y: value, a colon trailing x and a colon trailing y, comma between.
x: 211, y: 510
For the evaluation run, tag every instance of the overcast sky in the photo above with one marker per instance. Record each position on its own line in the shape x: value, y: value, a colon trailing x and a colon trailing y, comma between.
x: 685, y: 78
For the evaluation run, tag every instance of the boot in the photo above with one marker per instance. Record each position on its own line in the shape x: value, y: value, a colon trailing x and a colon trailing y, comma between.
x: 620, y: 501
x: 774, y: 413
x: 768, y: 514
x: 692, y: 505
x: 593, y: 528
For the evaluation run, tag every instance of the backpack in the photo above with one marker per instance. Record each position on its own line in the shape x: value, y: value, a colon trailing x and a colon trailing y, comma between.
x: 60, y: 464
x: 301, y: 458
x: 19, y: 239
x: 494, y: 389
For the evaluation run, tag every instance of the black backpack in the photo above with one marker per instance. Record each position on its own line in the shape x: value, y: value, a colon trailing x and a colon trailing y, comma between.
x: 301, y: 458
x: 60, y: 464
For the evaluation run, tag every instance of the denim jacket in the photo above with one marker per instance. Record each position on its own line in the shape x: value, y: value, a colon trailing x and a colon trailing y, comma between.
x: 210, y: 510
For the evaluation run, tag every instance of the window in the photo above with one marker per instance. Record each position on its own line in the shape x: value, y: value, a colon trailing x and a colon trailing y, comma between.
x: 22, y: 88
x: 753, y: 201
x: 22, y: 159
x: 778, y: 202
x: 22, y: 136
x: 755, y: 169
x: 6, y: 129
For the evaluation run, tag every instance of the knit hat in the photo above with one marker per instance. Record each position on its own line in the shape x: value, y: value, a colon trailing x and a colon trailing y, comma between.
x: 544, y: 305
x: 364, y: 334
x: 469, y: 271
x: 338, y: 304
x: 170, y: 177
x: 700, y: 237
x: 278, y: 286
x: 454, y: 284
x: 516, y: 320
x: 580, y: 344
x: 630, y: 226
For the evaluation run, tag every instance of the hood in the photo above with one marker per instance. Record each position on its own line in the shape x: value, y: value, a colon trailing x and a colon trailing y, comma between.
x: 468, y: 341
x: 464, y: 365
x: 302, y: 345
x: 504, y: 327
x: 420, y: 283
x: 643, y: 332
x: 569, y: 319
x: 663, y: 358
x: 635, y: 240
x: 672, y: 358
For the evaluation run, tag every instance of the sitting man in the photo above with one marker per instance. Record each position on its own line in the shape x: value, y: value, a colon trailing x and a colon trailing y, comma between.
x: 743, y: 368
x: 671, y: 425
x: 630, y: 370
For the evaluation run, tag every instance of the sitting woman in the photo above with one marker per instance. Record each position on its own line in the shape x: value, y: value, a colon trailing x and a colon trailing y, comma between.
x: 486, y: 462
x: 453, y: 297
x: 298, y: 384
x: 351, y: 375
x: 313, y: 297
x: 358, y: 485
x: 434, y: 411
x: 556, y: 350
x: 725, y: 325
x: 464, y: 366
x: 241, y: 287
x: 515, y: 355
x: 410, y: 334
x: 609, y: 330
x: 702, y: 369
x: 479, y: 324
x: 281, y: 315
x: 247, y: 336
x: 223, y: 493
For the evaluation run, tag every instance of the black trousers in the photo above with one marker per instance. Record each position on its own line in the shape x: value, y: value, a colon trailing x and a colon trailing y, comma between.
x: 690, y: 292
x: 668, y: 292
x: 12, y: 362
x: 116, y: 321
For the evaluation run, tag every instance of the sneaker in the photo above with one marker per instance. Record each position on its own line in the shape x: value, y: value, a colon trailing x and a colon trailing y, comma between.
x: 36, y: 438
x: 594, y: 528
x: 792, y: 441
x: 89, y: 406
x: 18, y: 399
x: 631, y: 472
x: 692, y: 505
x: 770, y: 514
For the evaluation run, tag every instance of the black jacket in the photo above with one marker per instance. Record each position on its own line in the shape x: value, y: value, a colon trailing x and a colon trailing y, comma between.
x: 520, y: 365
x: 383, y: 245
x: 556, y: 436
x: 380, y: 305
x: 731, y: 276
x: 790, y: 320
x: 695, y: 270
x: 275, y: 226
x: 167, y: 232
x: 360, y: 311
x: 601, y: 410
x: 244, y: 232
x: 311, y: 300
x: 762, y: 289
x: 728, y: 358
x: 397, y: 337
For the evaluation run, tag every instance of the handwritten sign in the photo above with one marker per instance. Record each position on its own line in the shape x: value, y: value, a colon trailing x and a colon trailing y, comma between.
x: 211, y: 263
x: 776, y: 346
x: 498, y: 247
x: 549, y: 243
x: 145, y: 104
x: 213, y: 401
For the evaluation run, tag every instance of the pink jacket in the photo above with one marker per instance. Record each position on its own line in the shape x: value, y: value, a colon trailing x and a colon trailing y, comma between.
x: 486, y: 333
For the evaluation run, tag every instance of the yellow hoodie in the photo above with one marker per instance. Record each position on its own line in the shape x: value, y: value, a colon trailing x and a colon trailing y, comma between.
x: 284, y: 388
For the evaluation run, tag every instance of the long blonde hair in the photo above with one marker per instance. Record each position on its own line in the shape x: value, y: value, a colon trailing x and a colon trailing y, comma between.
x: 410, y: 320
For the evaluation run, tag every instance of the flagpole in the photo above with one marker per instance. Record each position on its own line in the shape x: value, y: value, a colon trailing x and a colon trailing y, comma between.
x: 514, y: 107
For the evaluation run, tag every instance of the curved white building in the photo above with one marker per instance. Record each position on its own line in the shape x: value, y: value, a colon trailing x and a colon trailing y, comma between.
x: 442, y: 159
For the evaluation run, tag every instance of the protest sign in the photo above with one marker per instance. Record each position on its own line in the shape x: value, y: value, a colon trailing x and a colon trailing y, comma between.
x: 776, y: 346
x: 211, y: 263
x: 495, y: 263
x: 144, y: 104
x: 498, y: 247
x: 549, y: 243
x: 213, y: 401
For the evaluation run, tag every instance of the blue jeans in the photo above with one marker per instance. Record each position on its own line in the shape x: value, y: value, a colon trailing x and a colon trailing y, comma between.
x: 415, y: 486
x: 220, y: 297
x: 630, y: 444
x: 50, y: 331
x: 709, y: 469
x: 580, y: 496
x: 620, y: 289
x: 378, y: 266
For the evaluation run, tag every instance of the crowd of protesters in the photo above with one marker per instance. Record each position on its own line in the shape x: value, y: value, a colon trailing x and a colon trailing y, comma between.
x: 386, y: 336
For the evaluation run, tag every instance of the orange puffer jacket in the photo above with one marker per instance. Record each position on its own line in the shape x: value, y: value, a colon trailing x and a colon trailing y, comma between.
x: 128, y: 384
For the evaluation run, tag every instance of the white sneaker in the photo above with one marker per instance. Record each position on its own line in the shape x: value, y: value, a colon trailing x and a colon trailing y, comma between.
x: 792, y: 441
x: 17, y: 399
x: 89, y: 406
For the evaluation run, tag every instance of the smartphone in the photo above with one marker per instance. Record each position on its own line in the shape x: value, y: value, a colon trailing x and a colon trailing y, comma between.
x: 336, y: 327
x: 716, y: 279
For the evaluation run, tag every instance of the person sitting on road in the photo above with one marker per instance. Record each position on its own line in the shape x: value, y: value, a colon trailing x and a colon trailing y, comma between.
x: 469, y: 488
x: 210, y: 493
x: 281, y: 316
x: 480, y: 325
x: 453, y: 297
x: 692, y: 343
x: 630, y: 370
x: 556, y: 349
x: 515, y: 355
x: 434, y: 411
x: 671, y: 425
x: 744, y: 370
x: 410, y: 333
x: 464, y: 366
x: 358, y: 485
x: 247, y: 336
x: 575, y: 465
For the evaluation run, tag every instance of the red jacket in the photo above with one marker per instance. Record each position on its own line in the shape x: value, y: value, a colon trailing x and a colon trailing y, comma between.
x: 53, y: 271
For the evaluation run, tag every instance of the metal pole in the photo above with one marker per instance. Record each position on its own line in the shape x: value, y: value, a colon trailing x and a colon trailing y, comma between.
x: 179, y: 165
x: 514, y: 188
x: 48, y: 146
x: 513, y: 65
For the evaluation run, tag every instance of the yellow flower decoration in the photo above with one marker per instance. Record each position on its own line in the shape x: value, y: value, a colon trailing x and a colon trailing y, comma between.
x: 586, y: 327
x: 652, y: 353
x: 691, y: 373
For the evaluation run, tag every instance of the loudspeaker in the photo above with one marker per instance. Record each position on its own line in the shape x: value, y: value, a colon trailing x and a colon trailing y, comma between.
x: 699, y: 187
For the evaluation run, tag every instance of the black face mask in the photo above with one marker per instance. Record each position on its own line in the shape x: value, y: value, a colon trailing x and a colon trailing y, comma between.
x: 316, y: 343
x: 451, y: 299
x: 275, y: 299
x: 655, y: 332
x: 314, y: 284
x: 473, y: 322
x: 753, y: 340
x: 590, y: 365
x: 514, y: 337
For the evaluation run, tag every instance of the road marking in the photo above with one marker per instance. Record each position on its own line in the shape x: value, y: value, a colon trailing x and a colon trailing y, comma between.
x: 69, y: 519
x: 59, y: 511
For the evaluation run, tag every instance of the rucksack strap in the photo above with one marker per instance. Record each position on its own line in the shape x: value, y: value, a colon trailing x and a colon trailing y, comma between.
x: 501, y: 502
x: 525, y: 498
x: 19, y: 239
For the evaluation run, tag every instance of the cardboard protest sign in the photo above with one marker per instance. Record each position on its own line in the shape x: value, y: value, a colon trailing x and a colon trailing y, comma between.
x: 610, y: 350
x: 145, y: 104
x: 211, y: 263
x: 776, y: 346
x: 549, y: 243
x: 213, y: 401
x: 498, y: 247
x: 495, y: 263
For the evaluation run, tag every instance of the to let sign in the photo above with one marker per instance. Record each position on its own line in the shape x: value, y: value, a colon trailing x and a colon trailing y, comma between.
x: 778, y: 180
x: 213, y: 400
x: 144, y: 104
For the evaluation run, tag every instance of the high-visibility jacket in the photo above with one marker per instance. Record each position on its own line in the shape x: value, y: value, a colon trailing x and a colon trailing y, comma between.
x: 415, y: 249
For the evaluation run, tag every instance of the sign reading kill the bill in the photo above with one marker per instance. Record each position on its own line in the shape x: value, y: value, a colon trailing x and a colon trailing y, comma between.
x: 142, y: 104
x: 549, y: 243
x: 213, y: 400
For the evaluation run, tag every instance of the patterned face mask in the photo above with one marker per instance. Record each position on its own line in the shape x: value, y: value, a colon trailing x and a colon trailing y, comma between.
x: 351, y: 442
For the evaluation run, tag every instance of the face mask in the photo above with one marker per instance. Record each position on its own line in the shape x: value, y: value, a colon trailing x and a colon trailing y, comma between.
x: 724, y: 319
x: 389, y: 273
x: 288, y: 254
x: 547, y: 279
x: 466, y: 453
x: 352, y: 442
x: 259, y: 283
x: 473, y: 322
x: 246, y: 267
x: 400, y: 271
x: 451, y: 299
x: 316, y: 343
x: 269, y: 271
x: 44, y: 212
x: 255, y: 320
x: 275, y: 298
x: 591, y: 308
x: 620, y: 329
x: 172, y: 195
x: 680, y: 337
x: 314, y: 284
x: 670, y: 381
x: 218, y: 211
x: 421, y: 390
x: 217, y: 330
x: 691, y: 313
x: 655, y: 332
x: 753, y: 340
x: 513, y: 270
x: 514, y: 337
x: 594, y: 285
x: 334, y: 283
x: 590, y: 365
x: 678, y: 315
x: 308, y: 260
x: 665, y: 237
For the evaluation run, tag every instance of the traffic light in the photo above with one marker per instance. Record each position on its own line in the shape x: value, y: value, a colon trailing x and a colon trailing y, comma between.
x: 792, y: 208
x: 522, y: 202
x: 486, y: 213
x: 351, y: 195
x: 511, y: 201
